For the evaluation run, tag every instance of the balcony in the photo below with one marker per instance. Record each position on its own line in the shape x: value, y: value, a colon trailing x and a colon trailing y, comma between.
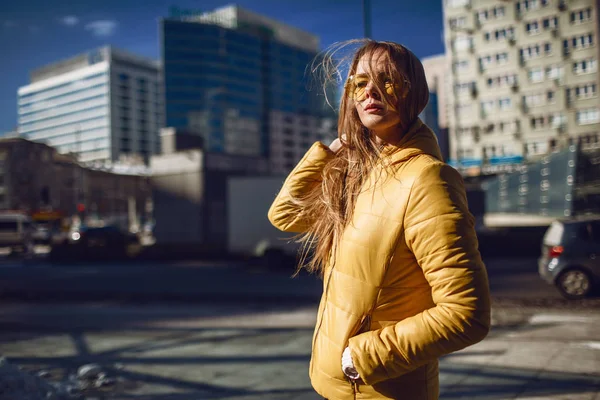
x: 522, y: 61
x: 569, y: 102
x: 474, y: 92
x: 562, y: 5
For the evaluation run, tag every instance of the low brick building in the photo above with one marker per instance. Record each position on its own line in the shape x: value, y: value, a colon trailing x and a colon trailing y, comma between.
x: 34, y: 177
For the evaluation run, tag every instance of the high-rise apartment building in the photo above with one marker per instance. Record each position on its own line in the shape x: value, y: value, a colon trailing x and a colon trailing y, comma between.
x: 437, y: 69
x: 242, y: 80
x: 436, y: 113
x: 99, y: 105
x: 524, y: 80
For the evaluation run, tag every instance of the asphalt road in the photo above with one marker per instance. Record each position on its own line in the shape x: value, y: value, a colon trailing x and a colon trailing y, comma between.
x: 191, y: 330
x: 250, y: 351
x: 510, y: 278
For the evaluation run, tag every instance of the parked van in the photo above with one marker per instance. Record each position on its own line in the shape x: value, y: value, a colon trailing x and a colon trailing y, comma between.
x: 16, y: 232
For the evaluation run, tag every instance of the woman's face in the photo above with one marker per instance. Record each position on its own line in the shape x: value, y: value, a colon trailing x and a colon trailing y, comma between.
x: 374, y: 113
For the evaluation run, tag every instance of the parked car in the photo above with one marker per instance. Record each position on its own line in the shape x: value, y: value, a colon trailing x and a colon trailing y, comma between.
x: 16, y: 232
x: 97, y: 242
x: 570, y: 257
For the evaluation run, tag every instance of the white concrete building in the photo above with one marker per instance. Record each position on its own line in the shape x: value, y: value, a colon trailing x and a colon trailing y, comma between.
x: 293, y: 134
x: 437, y: 72
x: 524, y: 80
x: 100, y: 105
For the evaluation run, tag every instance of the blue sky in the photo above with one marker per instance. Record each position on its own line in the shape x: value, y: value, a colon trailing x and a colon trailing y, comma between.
x: 37, y: 32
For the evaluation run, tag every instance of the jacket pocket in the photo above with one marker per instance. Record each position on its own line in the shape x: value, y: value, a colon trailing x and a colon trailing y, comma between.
x: 363, y: 325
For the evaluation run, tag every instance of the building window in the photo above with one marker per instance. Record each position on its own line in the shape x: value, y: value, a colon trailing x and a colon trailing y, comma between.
x: 502, y: 58
x: 530, y: 52
x: 461, y: 65
x: 487, y: 106
x: 457, y: 3
x: 528, y: 5
x: 537, y: 122
x: 464, y: 108
x: 536, y: 148
x: 499, y: 12
x: 536, y: 75
x: 550, y: 23
x: 463, y: 43
x: 557, y: 120
x: 486, y: 36
x: 504, y: 33
x: 505, y: 80
x: 465, y: 87
x: 533, y: 100
x: 532, y: 28
x: 482, y: 15
x: 485, y: 61
x: 505, y: 103
x: 581, y: 16
x: 585, y: 91
x: 554, y: 72
x: 547, y: 48
x: 550, y: 97
x: 458, y: 22
x: 584, y: 66
x: 582, y: 42
x: 589, y: 116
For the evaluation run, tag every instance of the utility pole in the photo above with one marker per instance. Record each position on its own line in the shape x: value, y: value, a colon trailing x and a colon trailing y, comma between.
x: 367, y: 18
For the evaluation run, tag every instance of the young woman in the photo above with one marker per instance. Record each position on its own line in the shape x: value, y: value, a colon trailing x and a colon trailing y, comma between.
x: 387, y: 226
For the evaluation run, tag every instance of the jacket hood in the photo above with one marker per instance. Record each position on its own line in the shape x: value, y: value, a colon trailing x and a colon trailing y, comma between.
x: 419, y: 139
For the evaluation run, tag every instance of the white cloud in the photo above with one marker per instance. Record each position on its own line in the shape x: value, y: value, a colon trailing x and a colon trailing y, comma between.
x: 69, y: 20
x: 102, y: 28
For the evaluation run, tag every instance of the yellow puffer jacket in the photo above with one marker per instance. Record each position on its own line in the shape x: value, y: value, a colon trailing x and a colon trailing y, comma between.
x: 406, y: 284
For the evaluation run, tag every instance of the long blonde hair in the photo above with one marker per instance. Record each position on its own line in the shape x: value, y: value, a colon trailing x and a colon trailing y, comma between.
x: 330, y: 206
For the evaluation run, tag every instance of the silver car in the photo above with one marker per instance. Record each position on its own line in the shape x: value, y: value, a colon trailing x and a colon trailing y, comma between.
x: 570, y: 257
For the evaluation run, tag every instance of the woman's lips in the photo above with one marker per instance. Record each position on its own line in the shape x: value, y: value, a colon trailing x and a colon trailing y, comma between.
x: 372, y: 109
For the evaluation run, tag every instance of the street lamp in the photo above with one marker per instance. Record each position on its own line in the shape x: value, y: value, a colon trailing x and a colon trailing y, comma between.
x: 367, y: 18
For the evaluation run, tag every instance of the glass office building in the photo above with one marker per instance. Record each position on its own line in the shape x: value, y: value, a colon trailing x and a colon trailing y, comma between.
x: 100, y: 105
x: 240, y: 79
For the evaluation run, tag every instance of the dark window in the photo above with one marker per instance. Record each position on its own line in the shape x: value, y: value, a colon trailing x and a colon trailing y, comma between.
x: 594, y: 227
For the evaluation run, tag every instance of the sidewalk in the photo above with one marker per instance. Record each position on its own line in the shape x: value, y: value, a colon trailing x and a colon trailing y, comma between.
x: 252, y: 352
x: 530, y: 354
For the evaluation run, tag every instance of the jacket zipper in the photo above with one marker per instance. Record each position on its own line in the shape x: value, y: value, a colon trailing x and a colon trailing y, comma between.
x: 325, y: 294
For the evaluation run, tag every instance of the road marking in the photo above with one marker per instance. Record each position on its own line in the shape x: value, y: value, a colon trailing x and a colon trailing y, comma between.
x: 540, y: 319
x: 592, y: 345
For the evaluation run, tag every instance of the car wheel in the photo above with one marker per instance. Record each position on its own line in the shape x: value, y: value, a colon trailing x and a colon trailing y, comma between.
x: 574, y: 284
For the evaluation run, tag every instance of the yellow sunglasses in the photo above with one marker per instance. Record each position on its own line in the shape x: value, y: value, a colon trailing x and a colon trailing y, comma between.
x: 356, y: 86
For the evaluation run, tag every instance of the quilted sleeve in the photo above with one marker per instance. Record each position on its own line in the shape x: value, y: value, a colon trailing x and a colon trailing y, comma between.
x: 439, y: 230
x: 284, y: 214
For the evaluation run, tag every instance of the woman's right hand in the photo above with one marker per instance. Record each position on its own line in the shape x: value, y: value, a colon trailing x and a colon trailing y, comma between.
x: 337, y: 144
